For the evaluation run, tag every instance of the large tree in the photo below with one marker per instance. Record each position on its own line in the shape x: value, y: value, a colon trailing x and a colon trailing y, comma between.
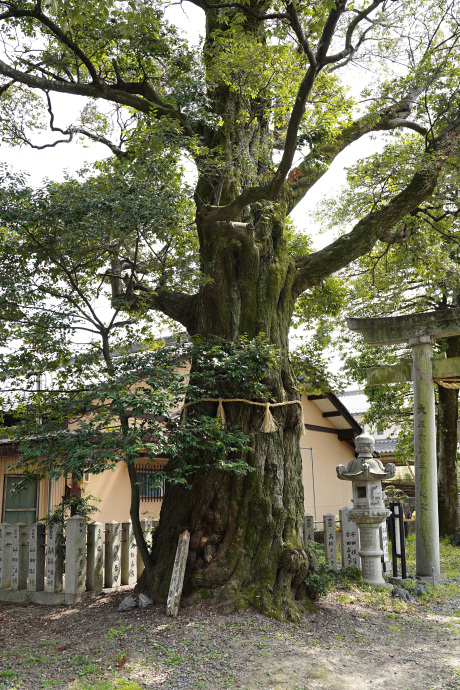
x: 262, y: 112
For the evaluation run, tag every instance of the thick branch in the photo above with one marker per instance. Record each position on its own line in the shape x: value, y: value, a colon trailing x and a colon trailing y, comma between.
x: 113, y: 93
x: 349, y: 49
x: 177, y: 305
x: 317, y: 162
x: 315, y: 267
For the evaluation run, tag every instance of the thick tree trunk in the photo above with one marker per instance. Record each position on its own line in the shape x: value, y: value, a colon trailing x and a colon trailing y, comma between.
x: 447, y: 439
x: 246, y: 545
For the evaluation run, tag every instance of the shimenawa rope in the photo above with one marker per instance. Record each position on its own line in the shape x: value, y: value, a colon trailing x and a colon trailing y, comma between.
x: 268, y: 425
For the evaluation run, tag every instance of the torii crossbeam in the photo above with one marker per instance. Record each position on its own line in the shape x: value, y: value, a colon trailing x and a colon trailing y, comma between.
x: 419, y: 331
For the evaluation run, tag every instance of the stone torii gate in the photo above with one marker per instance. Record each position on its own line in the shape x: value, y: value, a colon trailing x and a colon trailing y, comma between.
x: 419, y: 331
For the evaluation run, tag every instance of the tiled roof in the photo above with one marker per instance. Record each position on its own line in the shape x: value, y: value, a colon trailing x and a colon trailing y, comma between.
x: 385, y: 445
x: 356, y: 401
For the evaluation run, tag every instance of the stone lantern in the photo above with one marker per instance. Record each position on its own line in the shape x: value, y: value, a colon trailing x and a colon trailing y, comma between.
x: 368, y: 512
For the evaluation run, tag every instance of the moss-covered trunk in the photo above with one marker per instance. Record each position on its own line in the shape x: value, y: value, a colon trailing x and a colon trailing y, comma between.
x: 246, y: 544
x: 447, y: 440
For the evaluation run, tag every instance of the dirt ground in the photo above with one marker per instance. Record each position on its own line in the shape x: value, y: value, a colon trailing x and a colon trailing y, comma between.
x: 355, y: 640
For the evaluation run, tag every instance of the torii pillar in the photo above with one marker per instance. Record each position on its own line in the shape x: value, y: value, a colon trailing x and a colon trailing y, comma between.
x: 419, y: 331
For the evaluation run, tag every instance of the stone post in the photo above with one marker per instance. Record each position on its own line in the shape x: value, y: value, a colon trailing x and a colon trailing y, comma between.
x: 177, y: 579
x: 5, y: 555
x: 19, y: 556
x: 54, y: 559
x: 112, y: 554
x: 95, y: 558
x: 128, y: 554
x: 386, y: 563
x: 146, y: 529
x: 36, y: 581
x: 308, y: 530
x: 426, y: 496
x: 330, y: 543
x: 349, y: 540
x: 75, y: 555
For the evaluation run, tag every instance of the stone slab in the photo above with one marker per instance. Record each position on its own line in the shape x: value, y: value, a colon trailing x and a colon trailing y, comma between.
x: 54, y: 559
x: 330, y: 540
x: 5, y: 555
x: 308, y: 530
x: 112, y: 554
x: 128, y: 554
x: 95, y: 557
x: 389, y: 330
x: 349, y: 540
x: 19, y: 556
x: 36, y: 581
x: 75, y: 558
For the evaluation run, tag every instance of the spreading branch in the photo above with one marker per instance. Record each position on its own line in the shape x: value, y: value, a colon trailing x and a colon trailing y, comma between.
x: 315, y: 267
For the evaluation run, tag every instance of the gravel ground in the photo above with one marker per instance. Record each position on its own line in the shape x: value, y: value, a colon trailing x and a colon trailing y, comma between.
x: 355, y: 640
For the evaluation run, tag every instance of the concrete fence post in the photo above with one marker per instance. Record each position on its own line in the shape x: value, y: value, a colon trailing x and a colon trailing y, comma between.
x: 112, y: 554
x: 308, y: 530
x: 19, y: 556
x: 128, y: 554
x: 349, y: 540
x: 75, y: 555
x: 147, y: 532
x: 36, y: 581
x: 5, y: 555
x: 330, y: 542
x: 95, y: 558
x: 54, y: 558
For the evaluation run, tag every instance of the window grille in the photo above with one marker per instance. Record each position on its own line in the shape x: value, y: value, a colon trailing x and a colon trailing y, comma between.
x: 148, y: 490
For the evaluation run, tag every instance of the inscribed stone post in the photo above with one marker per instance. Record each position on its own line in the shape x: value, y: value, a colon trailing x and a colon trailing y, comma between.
x: 95, y: 558
x: 349, y: 540
x: 386, y: 563
x: 147, y: 532
x: 128, y: 554
x: 177, y: 579
x: 75, y: 555
x: 330, y: 545
x: 112, y: 554
x: 36, y: 582
x: 5, y: 555
x: 54, y: 558
x: 308, y: 530
x: 19, y: 556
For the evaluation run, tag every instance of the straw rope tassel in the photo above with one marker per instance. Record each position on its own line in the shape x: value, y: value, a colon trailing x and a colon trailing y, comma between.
x: 184, y: 415
x: 221, y: 412
x: 303, y: 418
x: 269, y: 424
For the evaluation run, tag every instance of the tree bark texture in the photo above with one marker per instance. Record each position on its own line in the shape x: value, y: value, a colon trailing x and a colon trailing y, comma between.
x: 447, y: 439
x: 246, y: 545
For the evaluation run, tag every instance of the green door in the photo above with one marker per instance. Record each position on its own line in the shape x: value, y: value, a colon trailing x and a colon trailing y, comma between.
x: 20, y: 507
